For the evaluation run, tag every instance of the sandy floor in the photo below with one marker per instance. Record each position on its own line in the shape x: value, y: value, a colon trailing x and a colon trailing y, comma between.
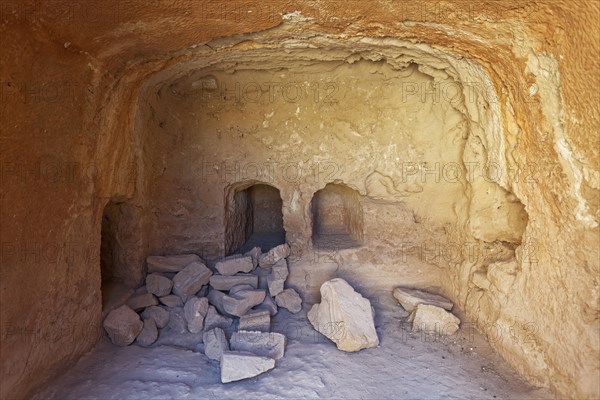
x: 406, y: 365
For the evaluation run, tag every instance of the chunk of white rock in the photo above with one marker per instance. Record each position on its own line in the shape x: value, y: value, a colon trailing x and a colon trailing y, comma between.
x: 268, y: 259
x: 242, y: 301
x: 215, y: 320
x: 255, y: 321
x: 195, y: 311
x: 410, y: 298
x: 123, y: 325
x: 149, y: 333
x: 266, y: 344
x: 277, y: 276
x: 222, y: 282
x: 158, y: 314
x: 290, y: 300
x: 236, y: 366
x: 232, y: 265
x: 142, y: 301
x: 158, y: 285
x: 191, y: 279
x: 170, y: 263
x: 434, y: 319
x: 215, y: 343
x: 344, y: 316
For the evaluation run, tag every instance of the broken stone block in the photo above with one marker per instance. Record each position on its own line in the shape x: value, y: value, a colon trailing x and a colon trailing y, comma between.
x: 215, y: 320
x: 269, y: 305
x: 266, y: 344
x: 232, y: 265
x: 191, y: 279
x: 255, y: 321
x: 268, y: 259
x: 158, y: 314
x: 171, y: 301
x: 290, y: 300
x: 215, y: 297
x: 142, y: 301
x: 344, y: 316
x: 236, y: 366
x: 409, y: 298
x: 255, y: 254
x: 158, y: 285
x: 123, y: 325
x: 195, y: 310
x: 240, y: 288
x: 222, y: 282
x: 177, y: 321
x: 242, y: 301
x: 215, y: 343
x: 149, y: 333
x: 277, y: 277
x: 433, y: 319
x: 170, y: 263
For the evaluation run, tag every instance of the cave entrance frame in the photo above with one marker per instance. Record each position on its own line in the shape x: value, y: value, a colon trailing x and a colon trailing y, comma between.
x: 253, y: 217
x: 337, y: 217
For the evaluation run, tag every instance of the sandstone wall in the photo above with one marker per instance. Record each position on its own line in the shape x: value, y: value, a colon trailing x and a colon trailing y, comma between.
x: 82, y: 118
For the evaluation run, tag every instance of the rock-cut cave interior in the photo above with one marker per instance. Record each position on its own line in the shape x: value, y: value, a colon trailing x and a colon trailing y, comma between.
x: 305, y: 199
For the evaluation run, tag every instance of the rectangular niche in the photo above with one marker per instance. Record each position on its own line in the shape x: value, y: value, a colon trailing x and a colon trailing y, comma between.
x: 337, y: 217
x: 253, y: 217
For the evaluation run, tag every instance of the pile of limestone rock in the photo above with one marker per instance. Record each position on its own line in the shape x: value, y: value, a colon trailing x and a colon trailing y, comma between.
x: 182, y: 294
x: 429, y: 312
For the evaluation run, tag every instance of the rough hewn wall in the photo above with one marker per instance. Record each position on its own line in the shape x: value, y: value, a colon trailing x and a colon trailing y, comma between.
x: 70, y: 72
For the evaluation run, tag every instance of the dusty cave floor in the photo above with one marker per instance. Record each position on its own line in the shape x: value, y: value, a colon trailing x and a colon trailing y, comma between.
x: 404, y: 366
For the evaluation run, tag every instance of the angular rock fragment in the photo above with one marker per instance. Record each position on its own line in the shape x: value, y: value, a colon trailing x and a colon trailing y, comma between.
x: 410, y: 298
x: 236, y: 366
x: 142, y: 301
x: 170, y: 263
x: 434, y: 319
x: 277, y: 277
x: 222, y: 282
x: 215, y: 343
x: 242, y: 301
x: 158, y: 314
x: 266, y: 344
x: 177, y: 321
x: 149, y: 333
x: 255, y: 254
x: 123, y: 325
x: 255, y: 321
x: 290, y: 300
x: 191, y: 279
x: 171, y: 301
x: 158, y: 285
x: 268, y: 259
x: 195, y: 311
x: 215, y: 320
x: 215, y: 297
x: 344, y: 316
x: 240, y: 288
x: 232, y: 265
x: 268, y: 304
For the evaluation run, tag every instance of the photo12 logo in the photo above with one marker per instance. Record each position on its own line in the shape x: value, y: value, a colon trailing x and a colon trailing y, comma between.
x: 268, y: 92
